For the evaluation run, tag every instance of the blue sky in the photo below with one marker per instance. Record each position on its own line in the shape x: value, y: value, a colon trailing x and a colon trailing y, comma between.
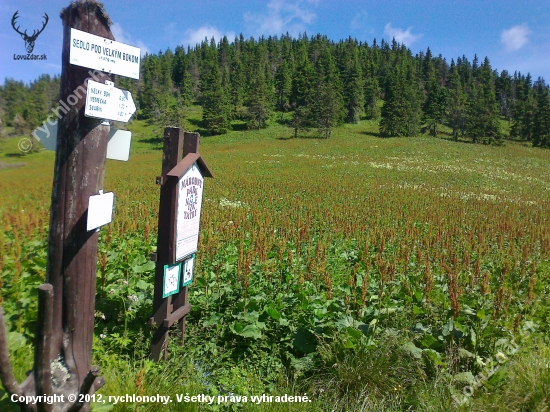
x: 514, y: 35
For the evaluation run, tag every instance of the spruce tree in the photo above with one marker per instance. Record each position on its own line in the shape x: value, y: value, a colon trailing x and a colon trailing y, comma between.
x: 435, y: 101
x: 327, y: 107
x: 299, y: 119
x: 504, y: 94
x: 151, y: 96
x: 371, y: 92
x: 237, y: 80
x: 401, y: 112
x: 483, y: 121
x: 456, y: 103
x: 541, y: 129
x: 186, y: 94
x: 182, y: 78
x: 302, y: 80
x: 165, y: 72
x: 259, y: 101
x: 354, y: 98
x: 391, y: 123
x: 434, y: 105
x: 326, y: 110
x: 283, y: 84
x: 214, y: 100
x: 37, y: 104
x: 179, y: 66
x: 523, y: 109
x: 414, y: 97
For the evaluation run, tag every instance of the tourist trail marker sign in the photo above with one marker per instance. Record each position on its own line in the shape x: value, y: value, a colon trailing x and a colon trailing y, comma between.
x: 182, y: 183
x: 187, y: 276
x: 171, y: 284
x: 95, y: 52
x: 105, y: 101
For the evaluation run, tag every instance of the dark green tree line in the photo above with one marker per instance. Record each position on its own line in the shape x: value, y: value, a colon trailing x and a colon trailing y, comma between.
x: 313, y: 82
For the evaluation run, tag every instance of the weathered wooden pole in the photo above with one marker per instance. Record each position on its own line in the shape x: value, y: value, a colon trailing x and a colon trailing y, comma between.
x: 79, y: 173
x: 66, y: 303
x: 162, y: 307
x: 180, y: 300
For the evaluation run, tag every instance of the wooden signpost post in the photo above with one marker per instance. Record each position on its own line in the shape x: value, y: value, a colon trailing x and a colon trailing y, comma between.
x: 182, y: 183
x: 62, y: 370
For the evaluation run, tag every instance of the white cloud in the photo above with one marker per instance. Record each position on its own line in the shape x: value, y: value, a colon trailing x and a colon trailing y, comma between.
x: 122, y: 36
x: 142, y: 47
x: 282, y: 16
x: 360, y: 25
x: 401, y: 36
x: 194, y: 37
x: 515, y: 38
x: 359, y: 22
x: 119, y: 33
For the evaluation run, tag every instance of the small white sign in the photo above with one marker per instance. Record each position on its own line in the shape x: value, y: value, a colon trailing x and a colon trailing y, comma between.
x: 100, y: 210
x: 188, y: 214
x: 188, y: 271
x: 171, y: 280
x: 118, y: 146
x: 95, y: 52
x: 104, y: 101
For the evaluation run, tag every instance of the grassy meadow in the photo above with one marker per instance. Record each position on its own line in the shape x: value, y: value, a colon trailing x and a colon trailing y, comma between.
x: 402, y: 274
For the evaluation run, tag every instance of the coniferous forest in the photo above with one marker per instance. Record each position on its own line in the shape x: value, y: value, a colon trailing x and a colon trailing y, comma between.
x: 315, y: 83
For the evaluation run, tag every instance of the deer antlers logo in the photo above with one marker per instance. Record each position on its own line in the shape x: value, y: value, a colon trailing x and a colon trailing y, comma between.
x: 29, y: 40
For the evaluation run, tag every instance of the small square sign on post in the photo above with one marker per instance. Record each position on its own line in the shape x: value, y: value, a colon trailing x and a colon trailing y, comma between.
x: 187, y: 277
x: 100, y: 210
x: 171, y: 280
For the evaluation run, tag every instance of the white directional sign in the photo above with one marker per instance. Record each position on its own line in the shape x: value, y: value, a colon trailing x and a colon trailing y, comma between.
x: 118, y: 146
x: 105, y: 101
x: 95, y: 52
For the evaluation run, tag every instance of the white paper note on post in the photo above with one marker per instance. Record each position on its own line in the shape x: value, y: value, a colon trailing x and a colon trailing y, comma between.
x: 100, y: 210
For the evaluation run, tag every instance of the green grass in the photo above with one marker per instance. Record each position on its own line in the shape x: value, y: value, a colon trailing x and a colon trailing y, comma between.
x: 293, y: 232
